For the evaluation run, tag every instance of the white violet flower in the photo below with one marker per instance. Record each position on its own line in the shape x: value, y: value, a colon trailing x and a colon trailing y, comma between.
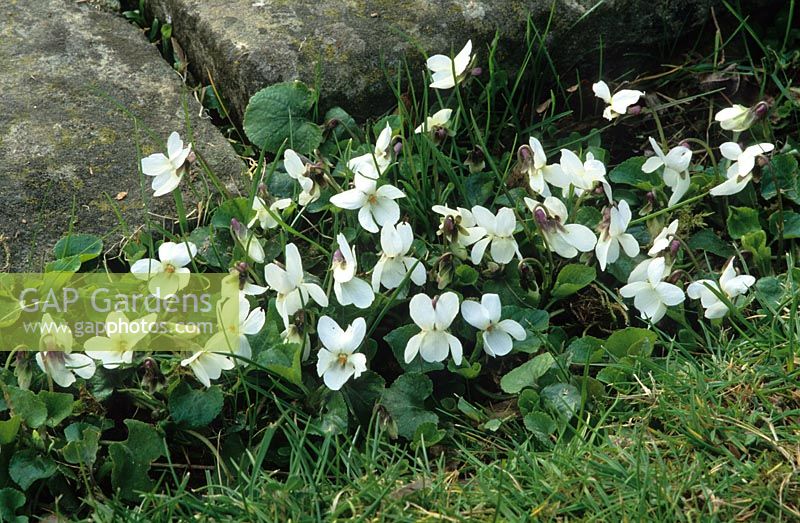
x: 565, y: 239
x: 613, y: 235
x: 236, y: 322
x: 297, y: 169
x: 741, y: 170
x: 117, y: 346
x: 348, y: 288
x: 534, y: 163
x: 168, y: 274
x: 338, y: 360
x: 496, y: 333
x: 394, y: 264
x: 439, y: 120
x: 618, y: 103
x: 736, y: 118
x: 248, y: 241
x: 265, y: 216
x: 651, y: 295
x: 676, y: 168
x: 207, y: 365
x: 376, y: 205
x: 167, y: 169
x: 55, y: 359
x: 662, y: 241
x: 499, y: 230
x: 446, y: 71
x: 573, y: 174
x: 458, y: 225
x: 730, y: 285
x: 293, y: 292
x: 433, y: 317
x: 380, y: 158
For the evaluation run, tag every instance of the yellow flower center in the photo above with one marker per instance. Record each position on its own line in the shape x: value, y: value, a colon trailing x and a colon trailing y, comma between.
x: 342, y: 359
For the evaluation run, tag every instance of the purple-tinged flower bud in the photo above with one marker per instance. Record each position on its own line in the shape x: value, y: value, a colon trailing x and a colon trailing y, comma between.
x: 524, y: 154
x: 476, y: 71
x: 237, y: 227
x: 685, y: 143
x: 651, y: 197
x: 190, y: 159
x: 635, y: 109
x: 398, y: 147
x: 338, y: 257
x: 541, y: 217
x: 674, y: 247
x: 241, y: 267
x: 149, y: 364
x: 760, y: 109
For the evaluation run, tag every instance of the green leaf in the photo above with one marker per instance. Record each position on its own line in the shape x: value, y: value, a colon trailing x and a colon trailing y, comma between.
x: 364, y: 394
x: 630, y: 172
x: 790, y: 224
x: 479, y: 188
x: 24, y: 403
x: 279, y: 113
x: 708, y: 241
x: 541, y: 425
x: 68, y: 264
x: 193, y: 408
x: 572, y: 278
x: 398, y: 339
x: 586, y: 349
x: 131, y: 459
x: 427, y: 435
x: 11, y: 500
x: 59, y: 406
x: 631, y: 341
x: 85, y: 246
x: 238, y: 208
x: 563, y: 399
x: 467, y: 371
x: 27, y: 466
x: 83, y: 442
x: 466, y: 275
x: 334, y: 420
x: 405, y: 401
x: 9, y: 429
x: 781, y: 174
x: 742, y: 220
x: 756, y: 244
x: 527, y: 374
x: 283, y: 359
x: 528, y: 401
x: 770, y: 291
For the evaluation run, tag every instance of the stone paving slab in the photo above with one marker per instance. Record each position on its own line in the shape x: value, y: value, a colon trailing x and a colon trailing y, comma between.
x: 248, y: 44
x: 66, y: 71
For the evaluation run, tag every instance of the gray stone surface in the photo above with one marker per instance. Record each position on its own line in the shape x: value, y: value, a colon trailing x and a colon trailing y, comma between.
x: 67, y: 70
x: 249, y: 44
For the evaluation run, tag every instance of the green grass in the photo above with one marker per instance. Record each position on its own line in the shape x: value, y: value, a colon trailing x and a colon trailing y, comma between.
x: 696, y: 437
x: 705, y: 429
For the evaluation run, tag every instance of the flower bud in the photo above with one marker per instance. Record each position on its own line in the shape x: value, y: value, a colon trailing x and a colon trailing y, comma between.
x: 635, y: 109
x: 674, y: 247
x: 541, y: 218
x: 241, y: 267
x: 338, y: 257
x: 398, y: 147
x: 760, y: 109
x: 476, y: 71
x: 439, y: 134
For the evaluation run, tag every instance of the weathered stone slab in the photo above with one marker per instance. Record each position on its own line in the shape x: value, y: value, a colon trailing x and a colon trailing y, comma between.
x: 71, y: 79
x: 249, y: 44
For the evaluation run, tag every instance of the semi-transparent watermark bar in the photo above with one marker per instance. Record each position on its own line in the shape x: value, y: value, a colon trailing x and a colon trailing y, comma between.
x: 118, y: 312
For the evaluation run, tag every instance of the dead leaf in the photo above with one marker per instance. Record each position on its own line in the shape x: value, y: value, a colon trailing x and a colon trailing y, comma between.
x: 542, y: 107
x: 120, y: 196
